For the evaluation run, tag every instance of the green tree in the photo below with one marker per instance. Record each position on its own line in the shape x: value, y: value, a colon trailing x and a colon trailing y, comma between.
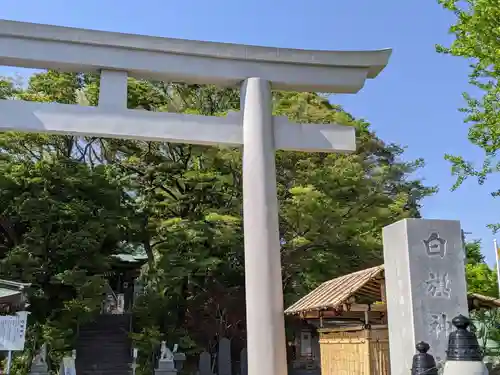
x: 473, y: 252
x: 480, y: 277
x: 477, y: 38
x: 183, y: 204
x: 61, y: 219
x: 332, y: 210
x: 483, y: 280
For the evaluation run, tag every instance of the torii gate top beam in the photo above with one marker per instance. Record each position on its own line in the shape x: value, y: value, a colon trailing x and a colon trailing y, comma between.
x: 32, y: 45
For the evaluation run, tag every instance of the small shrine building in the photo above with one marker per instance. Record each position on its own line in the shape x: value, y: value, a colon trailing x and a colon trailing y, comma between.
x: 341, y: 326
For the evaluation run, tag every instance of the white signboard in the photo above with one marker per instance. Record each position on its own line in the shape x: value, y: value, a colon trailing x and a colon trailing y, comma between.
x: 13, y: 331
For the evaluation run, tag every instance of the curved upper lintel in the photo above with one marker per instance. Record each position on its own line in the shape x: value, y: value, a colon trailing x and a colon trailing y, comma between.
x: 72, y: 49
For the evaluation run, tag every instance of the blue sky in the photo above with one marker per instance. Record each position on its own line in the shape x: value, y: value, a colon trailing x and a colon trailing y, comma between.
x: 413, y: 102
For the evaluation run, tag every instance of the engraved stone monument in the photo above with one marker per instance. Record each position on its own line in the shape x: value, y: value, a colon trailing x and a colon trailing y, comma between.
x: 166, y: 364
x: 39, y: 363
x: 425, y: 286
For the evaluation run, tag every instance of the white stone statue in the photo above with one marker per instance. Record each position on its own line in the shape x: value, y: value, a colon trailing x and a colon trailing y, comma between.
x: 41, y: 357
x: 165, y: 354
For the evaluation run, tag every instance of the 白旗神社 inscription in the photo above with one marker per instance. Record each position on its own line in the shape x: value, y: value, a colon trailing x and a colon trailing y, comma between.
x: 424, y: 266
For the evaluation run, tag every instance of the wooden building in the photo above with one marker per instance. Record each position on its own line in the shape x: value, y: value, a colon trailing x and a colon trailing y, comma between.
x: 12, y: 296
x: 343, y: 327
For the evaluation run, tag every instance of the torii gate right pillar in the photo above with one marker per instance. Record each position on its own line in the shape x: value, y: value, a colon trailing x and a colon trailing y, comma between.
x: 266, y: 345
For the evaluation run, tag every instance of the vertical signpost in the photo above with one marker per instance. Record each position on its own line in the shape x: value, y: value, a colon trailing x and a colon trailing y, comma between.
x: 256, y: 70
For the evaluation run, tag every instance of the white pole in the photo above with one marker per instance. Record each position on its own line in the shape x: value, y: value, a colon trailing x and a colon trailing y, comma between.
x: 9, y: 362
x: 497, y: 256
x: 266, y: 348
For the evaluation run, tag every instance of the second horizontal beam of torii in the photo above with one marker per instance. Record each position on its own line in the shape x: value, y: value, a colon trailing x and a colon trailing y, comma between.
x: 54, y: 118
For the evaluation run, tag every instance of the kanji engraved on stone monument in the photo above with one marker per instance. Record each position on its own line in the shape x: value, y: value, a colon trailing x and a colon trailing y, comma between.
x: 435, y: 245
x: 439, y: 325
x: 438, y: 284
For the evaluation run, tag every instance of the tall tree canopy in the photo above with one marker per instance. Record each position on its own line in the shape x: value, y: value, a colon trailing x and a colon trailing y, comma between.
x: 483, y: 280
x: 182, y: 204
x: 480, y: 277
x: 477, y: 38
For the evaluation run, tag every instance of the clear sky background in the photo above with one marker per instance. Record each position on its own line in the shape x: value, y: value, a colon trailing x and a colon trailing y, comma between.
x: 413, y: 102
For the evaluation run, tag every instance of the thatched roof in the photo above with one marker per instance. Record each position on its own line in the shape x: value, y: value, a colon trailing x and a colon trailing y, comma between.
x: 336, y: 292
x: 367, y: 285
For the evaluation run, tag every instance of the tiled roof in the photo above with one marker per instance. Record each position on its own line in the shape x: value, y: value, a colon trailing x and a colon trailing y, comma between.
x: 13, y: 285
x: 334, y: 293
x: 12, y: 291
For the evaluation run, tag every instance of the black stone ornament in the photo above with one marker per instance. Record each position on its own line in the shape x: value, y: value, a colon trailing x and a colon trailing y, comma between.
x: 423, y: 363
x: 462, y: 344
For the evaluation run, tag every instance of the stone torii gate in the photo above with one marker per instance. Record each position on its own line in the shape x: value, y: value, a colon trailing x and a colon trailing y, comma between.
x: 255, y: 70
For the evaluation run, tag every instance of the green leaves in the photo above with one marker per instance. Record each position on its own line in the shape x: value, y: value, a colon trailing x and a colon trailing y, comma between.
x: 481, y: 279
x: 477, y: 38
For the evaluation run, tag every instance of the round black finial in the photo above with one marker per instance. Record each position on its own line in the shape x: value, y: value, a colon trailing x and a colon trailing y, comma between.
x: 461, y: 322
x: 422, y: 347
x: 462, y: 344
x: 423, y: 363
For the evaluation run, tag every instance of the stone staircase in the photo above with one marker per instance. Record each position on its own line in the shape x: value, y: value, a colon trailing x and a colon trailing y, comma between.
x: 103, y: 346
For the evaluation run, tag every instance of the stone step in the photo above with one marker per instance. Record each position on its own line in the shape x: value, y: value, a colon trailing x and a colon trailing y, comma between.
x: 103, y: 346
x: 91, y: 353
x: 102, y: 340
x: 104, y: 355
x: 109, y: 368
x: 100, y: 346
x: 86, y: 365
x: 102, y: 337
x: 109, y: 321
x: 101, y: 356
x: 105, y: 372
x: 101, y: 368
x: 121, y: 371
x: 104, y: 328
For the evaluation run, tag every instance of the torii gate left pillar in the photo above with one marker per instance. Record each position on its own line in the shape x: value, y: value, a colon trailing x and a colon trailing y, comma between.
x: 255, y: 69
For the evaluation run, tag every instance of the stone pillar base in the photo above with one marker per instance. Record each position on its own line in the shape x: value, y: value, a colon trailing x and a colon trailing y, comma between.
x: 39, y: 369
x: 166, y: 368
x: 165, y: 372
